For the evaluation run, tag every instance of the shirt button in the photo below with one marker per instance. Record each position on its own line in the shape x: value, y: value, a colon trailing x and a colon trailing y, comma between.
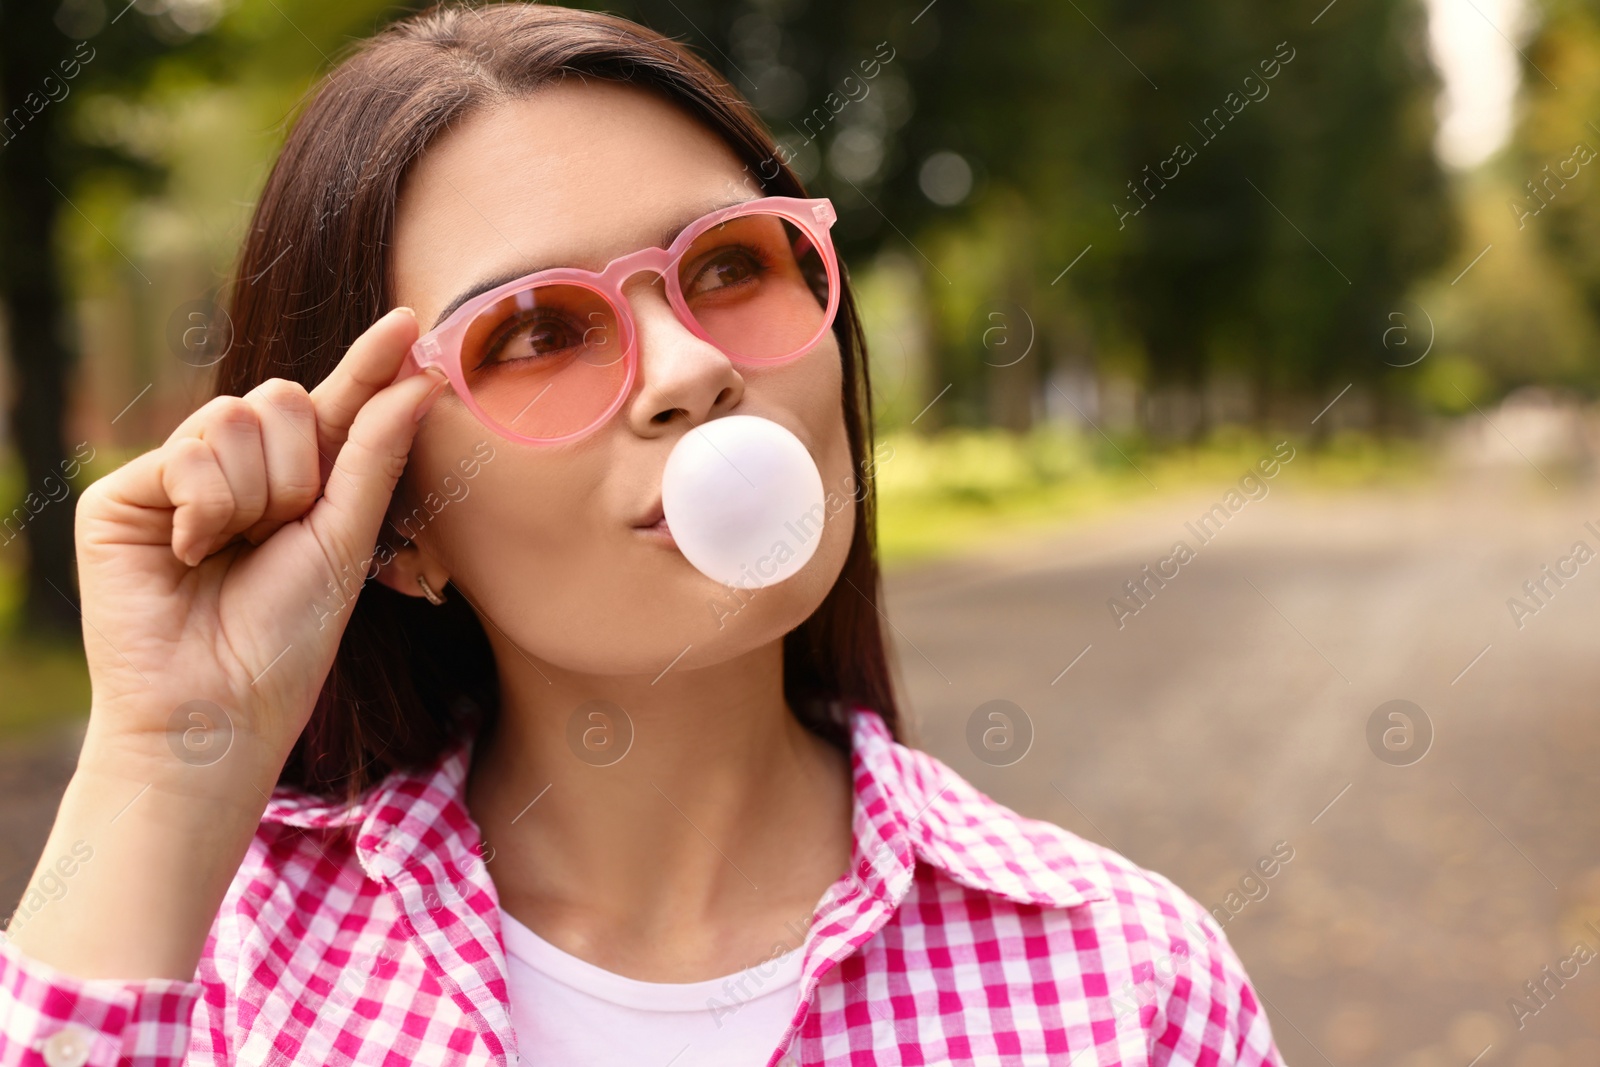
x: 68, y: 1047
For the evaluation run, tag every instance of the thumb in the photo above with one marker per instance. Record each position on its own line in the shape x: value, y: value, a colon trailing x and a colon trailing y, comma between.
x: 369, y: 464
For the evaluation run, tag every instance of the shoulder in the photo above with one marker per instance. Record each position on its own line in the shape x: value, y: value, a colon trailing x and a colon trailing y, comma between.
x: 303, y: 888
x: 980, y: 843
x: 1073, y: 928
x: 292, y: 891
x: 315, y: 852
x: 305, y: 921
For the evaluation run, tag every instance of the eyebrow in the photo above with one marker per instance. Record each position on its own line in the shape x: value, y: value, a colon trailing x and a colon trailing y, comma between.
x: 483, y: 285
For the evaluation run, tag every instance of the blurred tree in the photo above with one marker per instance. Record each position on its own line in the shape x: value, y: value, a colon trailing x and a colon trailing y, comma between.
x: 58, y: 58
x: 44, y: 59
x: 1273, y: 199
x: 1551, y: 172
x: 1354, y: 167
x: 1518, y: 316
x: 30, y: 47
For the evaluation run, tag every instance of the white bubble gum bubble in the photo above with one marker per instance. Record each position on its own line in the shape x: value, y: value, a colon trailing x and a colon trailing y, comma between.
x: 744, y: 501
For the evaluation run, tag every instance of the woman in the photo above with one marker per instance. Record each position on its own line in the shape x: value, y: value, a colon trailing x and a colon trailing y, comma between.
x: 542, y: 790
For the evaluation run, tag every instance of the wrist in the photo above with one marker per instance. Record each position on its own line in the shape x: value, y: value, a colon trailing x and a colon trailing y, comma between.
x: 215, y: 763
x: 139, y: 859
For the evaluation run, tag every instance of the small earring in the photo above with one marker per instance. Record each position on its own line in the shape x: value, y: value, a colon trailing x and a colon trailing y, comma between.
x: 427, y: 591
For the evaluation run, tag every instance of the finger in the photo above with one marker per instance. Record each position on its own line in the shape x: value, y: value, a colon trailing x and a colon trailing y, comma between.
x: 370, y: 365
x: 193, y: 482
x: 205, y: 415
x: 128, y: 506
x: 289, y: 447
x: 356, y: 497
x: 235, y: 439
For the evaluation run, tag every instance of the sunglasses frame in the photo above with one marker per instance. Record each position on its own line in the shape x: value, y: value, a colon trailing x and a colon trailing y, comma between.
x: 441, y: 346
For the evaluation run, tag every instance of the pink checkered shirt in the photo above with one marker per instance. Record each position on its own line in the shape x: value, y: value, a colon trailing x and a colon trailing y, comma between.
x: 963, y: 933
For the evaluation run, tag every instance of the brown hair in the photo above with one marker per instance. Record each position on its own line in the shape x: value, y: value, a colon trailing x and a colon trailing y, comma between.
x: 314, y: 273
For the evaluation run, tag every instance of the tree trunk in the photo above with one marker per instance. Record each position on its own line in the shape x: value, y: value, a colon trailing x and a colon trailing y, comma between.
x: 30, y: 288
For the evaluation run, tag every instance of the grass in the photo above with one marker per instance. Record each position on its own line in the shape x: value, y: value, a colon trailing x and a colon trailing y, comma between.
x: 44, y: 685
x: 941, y: 495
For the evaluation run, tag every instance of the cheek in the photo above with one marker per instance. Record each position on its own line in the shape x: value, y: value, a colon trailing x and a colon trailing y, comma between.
x: 532, y: 550
x: 822, y: 411
x: 493, y: 505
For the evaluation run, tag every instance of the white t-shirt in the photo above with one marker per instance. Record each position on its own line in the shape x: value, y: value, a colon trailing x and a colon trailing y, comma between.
x: 569, y: 1011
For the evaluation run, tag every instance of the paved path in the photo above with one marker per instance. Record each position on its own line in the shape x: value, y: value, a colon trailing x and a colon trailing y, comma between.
x: 1230, y: 714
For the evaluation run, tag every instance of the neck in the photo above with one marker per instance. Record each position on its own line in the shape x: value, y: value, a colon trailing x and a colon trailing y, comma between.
x: 678, y: 854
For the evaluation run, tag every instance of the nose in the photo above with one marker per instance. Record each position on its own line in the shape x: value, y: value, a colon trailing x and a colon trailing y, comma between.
x: 682, y: 378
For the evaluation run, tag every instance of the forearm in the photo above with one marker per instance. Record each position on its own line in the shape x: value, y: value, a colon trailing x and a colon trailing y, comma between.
x: 142, y: 852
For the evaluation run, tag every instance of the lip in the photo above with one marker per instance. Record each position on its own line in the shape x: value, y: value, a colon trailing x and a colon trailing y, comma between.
x: 657, y: 514
x: 654, y: 525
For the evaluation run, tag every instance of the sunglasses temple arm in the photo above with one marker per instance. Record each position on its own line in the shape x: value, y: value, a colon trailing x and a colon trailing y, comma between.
x: 409, y: 366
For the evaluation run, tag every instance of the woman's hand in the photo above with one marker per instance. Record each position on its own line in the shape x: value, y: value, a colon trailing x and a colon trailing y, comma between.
x: 217, y: 570
x: 217, y: 573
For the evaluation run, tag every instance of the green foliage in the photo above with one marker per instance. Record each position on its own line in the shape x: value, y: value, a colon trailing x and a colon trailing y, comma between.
x: 965, y: 488
x: 1550, y: 177
x: 1508, y: 305
x: 1451, y: 384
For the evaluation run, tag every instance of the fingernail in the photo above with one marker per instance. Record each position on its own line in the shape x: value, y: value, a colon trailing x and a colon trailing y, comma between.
x: 434, y: 391
x: 403, y: 308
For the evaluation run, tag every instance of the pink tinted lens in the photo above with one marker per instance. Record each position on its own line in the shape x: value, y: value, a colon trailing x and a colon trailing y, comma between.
x: 545, y: 362
x: 757, y: 286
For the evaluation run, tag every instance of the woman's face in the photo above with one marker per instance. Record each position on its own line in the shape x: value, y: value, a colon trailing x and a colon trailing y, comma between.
x: 542, y: 539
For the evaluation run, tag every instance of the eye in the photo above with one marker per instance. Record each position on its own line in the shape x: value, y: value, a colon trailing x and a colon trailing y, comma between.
x: 536, y: 334
x: 724, y: 269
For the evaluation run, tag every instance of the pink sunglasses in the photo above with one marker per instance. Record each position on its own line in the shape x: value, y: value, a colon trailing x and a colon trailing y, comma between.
x: 551, y: 356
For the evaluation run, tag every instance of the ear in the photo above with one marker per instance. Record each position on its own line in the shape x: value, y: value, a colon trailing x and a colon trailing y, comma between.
x: 400, y: 569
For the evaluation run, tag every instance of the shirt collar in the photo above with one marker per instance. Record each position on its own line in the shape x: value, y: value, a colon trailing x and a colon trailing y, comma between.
x: 908, y: 806
x: 907, y: 796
